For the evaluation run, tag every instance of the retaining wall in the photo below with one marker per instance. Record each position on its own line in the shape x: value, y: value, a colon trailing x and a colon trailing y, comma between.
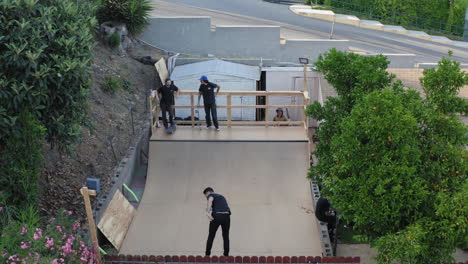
x: 196, y: 36
x: 134, y: 158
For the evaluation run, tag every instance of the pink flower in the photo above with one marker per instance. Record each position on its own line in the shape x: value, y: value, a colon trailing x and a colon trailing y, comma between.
x: 70, y: 212
x: 23, y: 230
x: 37, y: 234
x: 59, y: 228
x: 75, y: 226
x: 49, y: 242
x: 1, y: 209
x: 24, y: 245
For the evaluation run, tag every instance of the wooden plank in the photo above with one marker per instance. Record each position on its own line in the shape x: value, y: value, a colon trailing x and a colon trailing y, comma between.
x: 116, y: 219
x: 162, y: 70
x: 229, y: 110
x: 92, y: 226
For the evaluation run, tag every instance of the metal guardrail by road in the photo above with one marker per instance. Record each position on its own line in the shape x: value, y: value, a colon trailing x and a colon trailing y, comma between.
x: 396, y: 18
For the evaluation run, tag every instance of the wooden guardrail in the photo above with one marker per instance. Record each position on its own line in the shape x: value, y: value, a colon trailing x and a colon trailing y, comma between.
x: 154, y: 108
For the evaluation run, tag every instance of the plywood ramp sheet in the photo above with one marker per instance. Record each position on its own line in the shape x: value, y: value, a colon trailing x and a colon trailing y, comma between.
x: 116, y: 219
x: 264, y: 182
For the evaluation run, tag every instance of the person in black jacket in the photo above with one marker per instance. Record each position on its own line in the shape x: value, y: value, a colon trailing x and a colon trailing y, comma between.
x: 324, y: 213
x: 166, y: 94
x: 207, y: 89
x: 218, y: 212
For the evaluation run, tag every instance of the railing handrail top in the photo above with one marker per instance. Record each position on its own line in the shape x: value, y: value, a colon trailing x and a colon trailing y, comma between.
x: 252, y: 93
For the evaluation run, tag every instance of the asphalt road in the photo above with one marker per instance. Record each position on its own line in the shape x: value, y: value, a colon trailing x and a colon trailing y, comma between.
x: 294, y: 26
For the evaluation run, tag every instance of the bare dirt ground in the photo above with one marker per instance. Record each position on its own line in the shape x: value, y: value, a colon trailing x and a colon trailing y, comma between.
x: 103, y: 145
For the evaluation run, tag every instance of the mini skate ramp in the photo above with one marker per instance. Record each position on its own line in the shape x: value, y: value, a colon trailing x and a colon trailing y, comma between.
x: 263, y: 178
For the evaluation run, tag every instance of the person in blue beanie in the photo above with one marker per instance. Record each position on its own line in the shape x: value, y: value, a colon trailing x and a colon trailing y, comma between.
x: 207, y: 89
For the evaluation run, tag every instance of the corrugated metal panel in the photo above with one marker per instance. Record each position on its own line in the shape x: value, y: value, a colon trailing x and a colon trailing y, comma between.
x: 218, y: 67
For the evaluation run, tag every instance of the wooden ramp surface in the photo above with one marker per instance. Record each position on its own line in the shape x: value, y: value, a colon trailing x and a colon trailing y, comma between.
x: 265, y: 184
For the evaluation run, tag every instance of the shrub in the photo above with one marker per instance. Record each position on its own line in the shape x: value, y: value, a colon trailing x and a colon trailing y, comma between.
x: 20, y: 159
x: 45, y: 65
x: 134, y: 13
x: 126, y: 84
x: 111, y: 85
x: 59, y: 241
x: 114, y: 40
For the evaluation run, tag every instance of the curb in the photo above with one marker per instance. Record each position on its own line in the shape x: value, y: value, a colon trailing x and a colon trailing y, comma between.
x: 308, y: 11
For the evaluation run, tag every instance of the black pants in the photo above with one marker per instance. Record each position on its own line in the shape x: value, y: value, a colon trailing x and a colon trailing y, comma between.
x: 223, y: 220
x: 211, y: 109
x: 165, y: 109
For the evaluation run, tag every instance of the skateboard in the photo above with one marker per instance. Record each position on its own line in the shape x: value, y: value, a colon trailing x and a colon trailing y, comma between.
x: 171, y: 129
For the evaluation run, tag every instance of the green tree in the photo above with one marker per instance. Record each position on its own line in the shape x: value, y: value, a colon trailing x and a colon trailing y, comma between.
x: 45, y: 65
x: 395, y: 166
x: 352, y: 76
x: 372, y: 179
x: 442, y: 85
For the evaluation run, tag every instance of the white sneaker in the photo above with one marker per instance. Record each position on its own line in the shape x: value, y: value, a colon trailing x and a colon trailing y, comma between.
x: 208, y: 127
x: 218, y: 129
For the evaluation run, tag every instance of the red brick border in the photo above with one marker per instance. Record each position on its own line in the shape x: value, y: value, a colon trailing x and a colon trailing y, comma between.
x: 136, y: 259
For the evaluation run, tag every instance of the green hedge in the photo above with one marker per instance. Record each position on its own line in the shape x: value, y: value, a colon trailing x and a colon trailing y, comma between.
x: 45, y: 65
x: 430, y: 14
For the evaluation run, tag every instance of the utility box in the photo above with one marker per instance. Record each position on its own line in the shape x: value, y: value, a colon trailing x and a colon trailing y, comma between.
x: 93, y: 184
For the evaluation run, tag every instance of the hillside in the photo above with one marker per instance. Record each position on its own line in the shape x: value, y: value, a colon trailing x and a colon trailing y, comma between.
x: 63, y: 175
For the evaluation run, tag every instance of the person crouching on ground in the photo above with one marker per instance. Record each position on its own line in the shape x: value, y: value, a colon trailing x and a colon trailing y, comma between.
x: 218, y: 212
x: 280, y: 116
x: 207, y: 89
x: 166, y: 94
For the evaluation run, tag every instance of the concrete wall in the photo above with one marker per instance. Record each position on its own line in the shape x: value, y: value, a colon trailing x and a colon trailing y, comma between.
x: 227, y: 83
x: 245, y: 41
x: 293, y: 49
x: 195, y: 36
x: 179, y: 34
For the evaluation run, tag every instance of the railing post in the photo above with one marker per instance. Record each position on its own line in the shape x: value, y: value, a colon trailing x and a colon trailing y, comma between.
x: 229, y: 110
x: 267, y: 108
x: 151, y: 113
x: 192, y: 107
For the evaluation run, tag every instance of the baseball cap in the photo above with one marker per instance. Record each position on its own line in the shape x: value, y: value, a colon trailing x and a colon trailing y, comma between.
x: 203, y: 78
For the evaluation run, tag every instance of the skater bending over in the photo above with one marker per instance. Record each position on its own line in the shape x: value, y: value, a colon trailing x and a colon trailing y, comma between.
x: 166, y: 94
x: 218, y: 213
x: 207, y: 89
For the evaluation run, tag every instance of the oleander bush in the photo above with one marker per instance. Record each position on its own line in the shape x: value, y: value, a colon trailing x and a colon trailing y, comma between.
x: 57, y: 241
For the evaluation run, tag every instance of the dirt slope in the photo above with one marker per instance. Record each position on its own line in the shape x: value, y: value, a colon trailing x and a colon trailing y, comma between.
x: 63, y: 175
